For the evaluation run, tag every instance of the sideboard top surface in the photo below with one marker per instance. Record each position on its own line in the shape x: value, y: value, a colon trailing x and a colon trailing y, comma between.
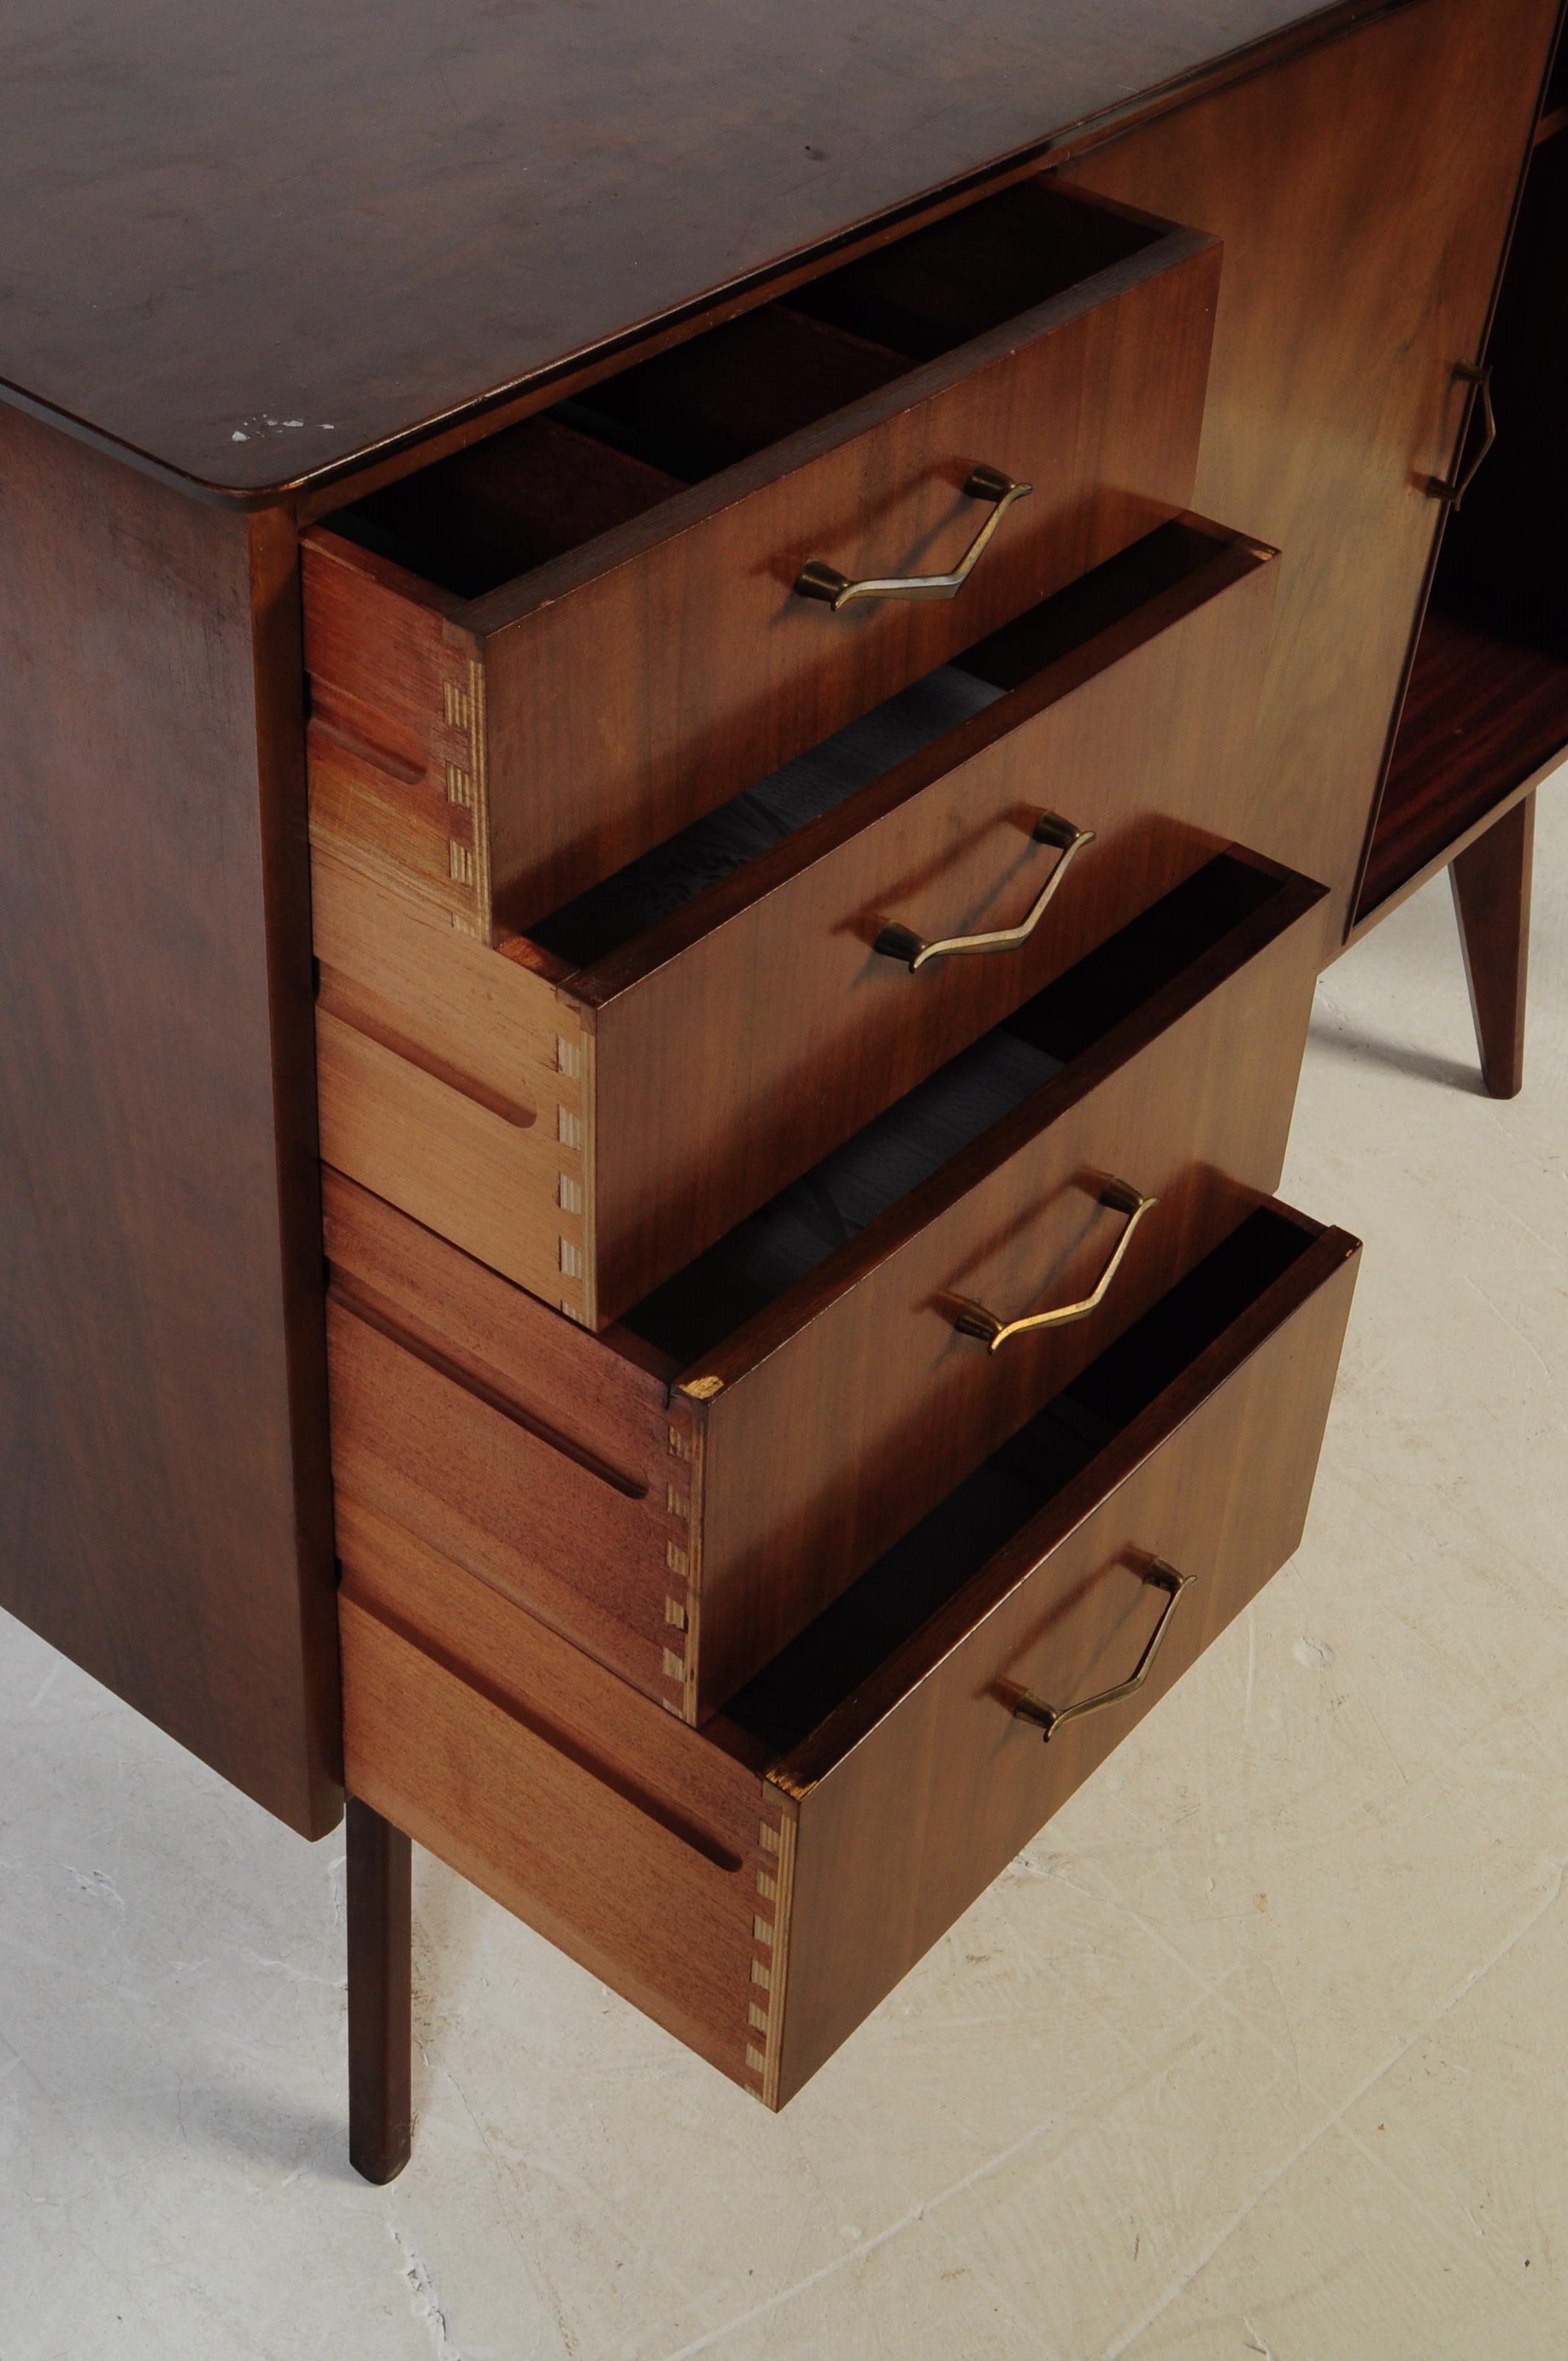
x: 249, y: 246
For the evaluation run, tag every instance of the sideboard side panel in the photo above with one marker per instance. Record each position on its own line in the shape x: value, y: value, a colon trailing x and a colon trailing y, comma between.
x: 166, y: 1511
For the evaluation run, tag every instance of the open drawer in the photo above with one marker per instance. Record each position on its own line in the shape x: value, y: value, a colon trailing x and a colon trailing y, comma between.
x: 683, y: 1494
x: 589, y: 1107
x: 760, y: 1884
x: 534, y: 660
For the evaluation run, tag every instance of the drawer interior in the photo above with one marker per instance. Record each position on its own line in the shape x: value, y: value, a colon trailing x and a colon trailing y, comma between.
x: 796, y: 1232
x: 603, y: 921
x: 951, y: 1546
x: 609, y: 916
x: 635, y: 439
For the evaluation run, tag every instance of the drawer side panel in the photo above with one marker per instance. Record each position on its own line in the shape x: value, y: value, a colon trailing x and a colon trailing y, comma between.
x: 437, y: 1451
x: 612, y: 1830
x: 611, y: 1407
x: 457, y: 1084
x: 396, y: 743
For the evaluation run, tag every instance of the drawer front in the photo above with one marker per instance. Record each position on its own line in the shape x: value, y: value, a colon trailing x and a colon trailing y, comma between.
x: 760, y: 1906
x: 832, y: 1422
x: 902, y: 1823
x: 497, y: 756
x: 588, y: 1136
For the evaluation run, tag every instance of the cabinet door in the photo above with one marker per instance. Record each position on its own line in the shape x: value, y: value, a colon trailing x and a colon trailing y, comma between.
x: 1363, y: 191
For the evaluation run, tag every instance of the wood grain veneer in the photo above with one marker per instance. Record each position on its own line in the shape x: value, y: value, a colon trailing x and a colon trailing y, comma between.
x: 1359, y: 267
x: 882, y: 1407
x: 1486, y: 708
x: 1487, y: 712
x: 587, y: 1133
x: 738, y: 1043
x: 917, y: 1793
x: 577, y: 1802
x: 587, y: 172
x: 682, y: 1527
x: 758, y: 1908
x: 1501, y: 560
x: 457, y: 1084
x: 162, y: 1398
x: 494, y: 756
x: 162, y: 1413
x: 1491, y: 882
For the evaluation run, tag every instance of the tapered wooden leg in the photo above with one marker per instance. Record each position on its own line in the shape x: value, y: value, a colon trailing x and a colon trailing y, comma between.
x: 380, y: 1978
x: 1491, y: 899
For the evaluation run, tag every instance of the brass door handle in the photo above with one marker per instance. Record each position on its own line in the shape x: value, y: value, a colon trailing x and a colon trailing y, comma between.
x: 1050, y: 1718
x: 1453, y: 489
x: 974, y: 1319
x: 902, y: 943
x: 818, y: 579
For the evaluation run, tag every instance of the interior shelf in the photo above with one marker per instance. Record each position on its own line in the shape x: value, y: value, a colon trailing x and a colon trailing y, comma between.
x: 1483, y: 714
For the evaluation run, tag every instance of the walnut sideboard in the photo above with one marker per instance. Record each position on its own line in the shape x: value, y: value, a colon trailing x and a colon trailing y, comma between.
x: 690, y: 696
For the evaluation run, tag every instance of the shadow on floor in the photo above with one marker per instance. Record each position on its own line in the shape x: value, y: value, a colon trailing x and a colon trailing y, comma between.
x: 260, y: 2128
x: 1378, y: 1049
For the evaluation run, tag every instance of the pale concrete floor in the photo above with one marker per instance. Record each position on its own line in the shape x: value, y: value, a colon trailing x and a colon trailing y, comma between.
x: 1260, y: 2049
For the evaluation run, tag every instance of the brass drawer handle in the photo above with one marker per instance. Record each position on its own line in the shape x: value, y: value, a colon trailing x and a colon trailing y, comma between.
x: 973, y: 1319
x: 816, y: 580
x: 902, y: 943
x: 1453, y: 491
x: 1049, y: 1717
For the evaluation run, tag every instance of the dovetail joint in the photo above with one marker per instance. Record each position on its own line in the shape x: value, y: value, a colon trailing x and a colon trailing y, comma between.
x: 771, y: 1937
x: 470, y: 863
x: 462, y: 768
